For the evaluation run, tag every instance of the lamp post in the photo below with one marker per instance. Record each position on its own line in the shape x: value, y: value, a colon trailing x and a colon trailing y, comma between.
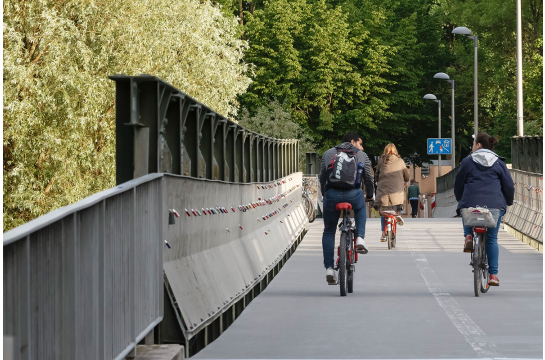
x: 520, y: 124
x: 445, y: 77
x: 413, y: 157
x: 465, y: 31
x: 434, y: 98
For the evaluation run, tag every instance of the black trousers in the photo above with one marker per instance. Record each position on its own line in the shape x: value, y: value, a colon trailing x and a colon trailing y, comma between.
x: 414, y: 208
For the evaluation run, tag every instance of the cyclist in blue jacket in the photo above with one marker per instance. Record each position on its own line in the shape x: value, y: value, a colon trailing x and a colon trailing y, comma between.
x: 483, y: 180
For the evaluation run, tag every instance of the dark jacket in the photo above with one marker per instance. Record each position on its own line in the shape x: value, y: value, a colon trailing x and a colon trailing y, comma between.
x: 367, y: 177
x: 483, y: 179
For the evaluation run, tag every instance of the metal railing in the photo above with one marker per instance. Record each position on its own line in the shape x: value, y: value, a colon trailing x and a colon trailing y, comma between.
x: 161, y: 129
x: 446, y: 182
x: 526, y: 214
x: 527, y: 153
x: 86, y: 281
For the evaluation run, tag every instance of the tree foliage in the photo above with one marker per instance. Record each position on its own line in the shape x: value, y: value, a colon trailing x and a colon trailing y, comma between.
x: 346, y: 65
x: 59, y: 118
x: 275, y: 120
x: 364, y: 65
x: 494, y: 22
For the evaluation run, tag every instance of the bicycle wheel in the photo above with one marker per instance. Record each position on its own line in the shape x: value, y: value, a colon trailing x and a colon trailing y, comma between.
x: 484, y: 267
x: 394, y: 235
x: 350, y: 282
x: 349, y: 265
x: 308, y: 206
x: 312, y: 216
x: 389, y: 238
x: 477, y: 265
x: 343, y: 276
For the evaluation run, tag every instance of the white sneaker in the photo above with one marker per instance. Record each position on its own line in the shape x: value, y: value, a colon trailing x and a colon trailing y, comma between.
x: 399, y: 220
x: 331, y: 276
x: 361, y: 246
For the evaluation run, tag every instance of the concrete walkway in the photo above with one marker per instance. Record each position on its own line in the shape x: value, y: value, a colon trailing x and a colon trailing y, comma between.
x: 413, y: 302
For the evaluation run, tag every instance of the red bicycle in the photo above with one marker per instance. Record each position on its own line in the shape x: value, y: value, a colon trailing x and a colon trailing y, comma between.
x: 346, y: 252
x: 390, y: 226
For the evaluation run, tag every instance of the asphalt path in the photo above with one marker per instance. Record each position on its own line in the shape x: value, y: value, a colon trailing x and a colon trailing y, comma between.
x: 413, y: 302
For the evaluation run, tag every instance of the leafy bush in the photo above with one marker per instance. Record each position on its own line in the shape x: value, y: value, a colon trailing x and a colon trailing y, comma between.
x: 59, y: 105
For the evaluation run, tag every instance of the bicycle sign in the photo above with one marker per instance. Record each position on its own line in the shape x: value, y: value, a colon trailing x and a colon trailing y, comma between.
x: 439, y: 146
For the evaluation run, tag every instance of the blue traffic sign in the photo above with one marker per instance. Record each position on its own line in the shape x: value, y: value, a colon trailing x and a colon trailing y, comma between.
x: 439, y: 146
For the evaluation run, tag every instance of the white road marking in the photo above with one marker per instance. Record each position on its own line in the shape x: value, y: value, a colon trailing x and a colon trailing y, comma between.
x: 472, y: 333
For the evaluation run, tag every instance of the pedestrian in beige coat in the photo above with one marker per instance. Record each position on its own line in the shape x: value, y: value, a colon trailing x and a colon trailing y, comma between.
x: 391, y: 176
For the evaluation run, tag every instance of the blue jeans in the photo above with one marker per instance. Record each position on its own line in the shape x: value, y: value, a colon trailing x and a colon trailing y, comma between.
x: 492, y: 248
x: 331, y: 218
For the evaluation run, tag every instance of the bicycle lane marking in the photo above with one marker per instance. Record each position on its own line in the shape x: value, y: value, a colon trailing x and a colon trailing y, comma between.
x: 472, y: 333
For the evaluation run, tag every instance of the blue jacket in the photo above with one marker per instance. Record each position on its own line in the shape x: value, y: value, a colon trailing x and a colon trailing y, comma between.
x: 484, y: 180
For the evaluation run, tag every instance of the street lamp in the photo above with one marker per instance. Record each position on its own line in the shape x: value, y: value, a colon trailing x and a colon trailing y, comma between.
x: 445, y: 77
x: 434, y: 98
x: 413, y: 157
x: 465, y: 31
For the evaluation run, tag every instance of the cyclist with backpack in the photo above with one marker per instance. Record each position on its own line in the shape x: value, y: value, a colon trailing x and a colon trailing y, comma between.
x: 341, y: 167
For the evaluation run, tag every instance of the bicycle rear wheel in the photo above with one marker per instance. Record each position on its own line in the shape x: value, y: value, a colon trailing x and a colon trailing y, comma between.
x: 350, y: 267
x: 484, y: 267
x: 343, y: 276
x: 389, y: 238
x: 309, y: 208
x: 350, y: 281
x: 312, y: 216
x: 477, y: 276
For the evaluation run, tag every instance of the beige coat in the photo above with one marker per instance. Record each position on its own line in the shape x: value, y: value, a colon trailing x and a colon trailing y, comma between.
x: 391, y: 176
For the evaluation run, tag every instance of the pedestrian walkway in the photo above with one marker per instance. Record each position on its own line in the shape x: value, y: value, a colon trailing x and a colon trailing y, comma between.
x: 413, y: 302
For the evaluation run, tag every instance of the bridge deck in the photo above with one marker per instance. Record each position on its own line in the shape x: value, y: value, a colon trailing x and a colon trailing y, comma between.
x: 415, y: 301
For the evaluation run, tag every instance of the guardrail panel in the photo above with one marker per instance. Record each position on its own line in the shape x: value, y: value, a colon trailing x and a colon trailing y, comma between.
x: 70, y: 283
x: 214, y: 259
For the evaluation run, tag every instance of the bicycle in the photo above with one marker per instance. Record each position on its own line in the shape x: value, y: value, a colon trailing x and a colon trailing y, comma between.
x: 480, y: 221
x: 347, y: 255
x: 307, y: 202
x: 390, y: 228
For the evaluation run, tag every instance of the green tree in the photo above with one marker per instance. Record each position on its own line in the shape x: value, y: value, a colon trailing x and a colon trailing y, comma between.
x: 348, y: 65
x: 494, y: 22
x: 59, y: 106
x: 275, y: 120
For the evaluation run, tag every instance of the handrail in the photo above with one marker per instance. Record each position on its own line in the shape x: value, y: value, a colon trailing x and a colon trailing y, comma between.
x: 24, y: 230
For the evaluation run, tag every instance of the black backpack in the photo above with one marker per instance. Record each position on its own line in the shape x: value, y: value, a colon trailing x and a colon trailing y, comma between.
x: 342, y: 170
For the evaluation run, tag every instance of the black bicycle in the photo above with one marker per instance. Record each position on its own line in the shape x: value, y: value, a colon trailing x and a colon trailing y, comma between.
x: 479, y: 261
x: 346, y: 252
x: 480, y: 220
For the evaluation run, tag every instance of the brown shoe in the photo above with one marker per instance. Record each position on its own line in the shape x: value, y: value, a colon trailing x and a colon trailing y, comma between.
x: 468, y: 245
x: 493, y: 281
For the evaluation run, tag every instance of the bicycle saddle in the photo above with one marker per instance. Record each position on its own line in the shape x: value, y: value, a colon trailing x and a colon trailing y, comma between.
x: 343, y: 206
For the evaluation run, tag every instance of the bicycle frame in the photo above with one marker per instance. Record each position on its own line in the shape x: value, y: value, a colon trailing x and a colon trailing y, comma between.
x: 391, y: 223
x: 345, y: 226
